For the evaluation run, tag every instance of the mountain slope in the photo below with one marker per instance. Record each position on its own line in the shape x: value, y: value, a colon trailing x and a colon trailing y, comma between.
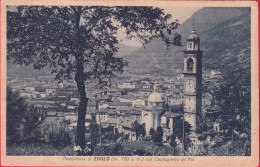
x: 225, y: 40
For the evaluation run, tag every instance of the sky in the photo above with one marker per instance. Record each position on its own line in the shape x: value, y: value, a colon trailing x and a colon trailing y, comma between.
x: 179, y: 13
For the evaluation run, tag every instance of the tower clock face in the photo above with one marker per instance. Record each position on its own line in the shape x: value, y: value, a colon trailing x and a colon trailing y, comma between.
x: 190, y: 86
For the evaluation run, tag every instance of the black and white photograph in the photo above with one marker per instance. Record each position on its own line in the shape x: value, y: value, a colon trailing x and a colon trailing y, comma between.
x: 102, y: 80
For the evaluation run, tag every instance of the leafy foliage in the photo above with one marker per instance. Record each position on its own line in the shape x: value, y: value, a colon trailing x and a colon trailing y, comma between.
x: 22, y: 120
x: 231, y: 106
x: 139, y: 129
x: 95, y: 136
x: 15, y: 108
x: 173, y: 143
x: 58, y: 135
x: 231, y: 102
x: 178, y: 131
x: 158, y: 135
x: 31, y: 121
x: 152, y: 131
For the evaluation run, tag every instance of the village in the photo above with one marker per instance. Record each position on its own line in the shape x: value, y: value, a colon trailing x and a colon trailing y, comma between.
x: 129, y: 99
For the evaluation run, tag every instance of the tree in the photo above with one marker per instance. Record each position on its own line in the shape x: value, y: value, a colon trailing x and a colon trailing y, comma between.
x: 21, y: 119
x: 32, y: 118
x: 173, y: 143
x: 231, y: 103
x: 178, y: 132
x: 142, y: 130
x: 95, y: 136
x: 152, y: 132
x: 58, y: 134
x: 139, y: 129
x: 80, y: 42
x: 187, y: 132
x: 135, y: 127
x: 158, y: 136
x: 15, y: 107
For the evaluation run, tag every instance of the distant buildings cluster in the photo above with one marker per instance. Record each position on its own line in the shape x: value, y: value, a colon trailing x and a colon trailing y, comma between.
x: 152, y: 102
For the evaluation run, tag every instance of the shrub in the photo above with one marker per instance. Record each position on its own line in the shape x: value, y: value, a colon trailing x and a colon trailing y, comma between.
x: 158, y: 135
x: 22, y: 120
x: 58, y: 135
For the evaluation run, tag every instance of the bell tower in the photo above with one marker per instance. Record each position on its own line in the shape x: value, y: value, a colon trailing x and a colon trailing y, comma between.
x: 193, y: 82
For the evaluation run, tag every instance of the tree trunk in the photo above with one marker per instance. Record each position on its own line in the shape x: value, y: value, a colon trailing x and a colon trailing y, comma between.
x: 79, y: 78
x: 80, y: 136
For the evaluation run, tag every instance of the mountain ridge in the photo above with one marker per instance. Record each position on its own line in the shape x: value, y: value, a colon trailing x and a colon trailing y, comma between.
x: 223, y: 32
x: 225, y: 40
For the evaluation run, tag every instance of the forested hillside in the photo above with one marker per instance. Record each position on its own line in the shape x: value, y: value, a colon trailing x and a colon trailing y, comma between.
x: 225, y: 40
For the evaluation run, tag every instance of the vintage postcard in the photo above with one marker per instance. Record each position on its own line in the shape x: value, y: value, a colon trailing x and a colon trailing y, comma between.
x: 129, y: 83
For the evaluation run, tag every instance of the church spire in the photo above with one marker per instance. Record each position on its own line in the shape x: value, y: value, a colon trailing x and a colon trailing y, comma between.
x: 155, y: 86
x: 193, y: 27
x: 193, y: 39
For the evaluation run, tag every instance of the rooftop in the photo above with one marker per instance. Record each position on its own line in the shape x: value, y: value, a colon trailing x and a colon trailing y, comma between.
x: 171, y: 114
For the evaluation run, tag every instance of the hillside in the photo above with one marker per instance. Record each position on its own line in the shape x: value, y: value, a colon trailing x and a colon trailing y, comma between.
x: 225, y: 40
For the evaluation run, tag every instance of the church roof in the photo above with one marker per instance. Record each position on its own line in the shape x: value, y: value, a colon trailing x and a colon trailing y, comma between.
x: 155, y: 97
x: 193, y: 35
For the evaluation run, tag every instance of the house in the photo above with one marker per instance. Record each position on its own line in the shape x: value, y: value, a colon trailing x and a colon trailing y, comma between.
x: 51, y: 92
x: 73, y: 126
x: 115, y: 105
x: 92, y: 106
x: 145, y: 92
x: 139, y: 102
x: 75, y: 100
x: 147, y: 86
x: 43, y: 96
x: 126, y: 98
x: 103, y: 98
x: 111, y: 122
x: 125, y: 126
x: 72, y: 108
x: 71, y: 117
x: 135, y: 114
x: 51, y: 113
x: 168, y: 121
x: 179, y: 85
x: 30, y: 89
x: 114, y: 92
x: 105, y: 114
x: 126, y: 85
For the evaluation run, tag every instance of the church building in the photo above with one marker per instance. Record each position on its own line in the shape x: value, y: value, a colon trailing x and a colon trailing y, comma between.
x: 151, y: 114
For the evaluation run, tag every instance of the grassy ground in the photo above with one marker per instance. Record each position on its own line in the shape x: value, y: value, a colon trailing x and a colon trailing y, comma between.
x: 39, y: 150
x: 147, y: 148
x: 225, y: 149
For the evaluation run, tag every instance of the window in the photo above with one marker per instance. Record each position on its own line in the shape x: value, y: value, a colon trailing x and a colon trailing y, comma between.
x: 190, y: 44
x: 190, y: 64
